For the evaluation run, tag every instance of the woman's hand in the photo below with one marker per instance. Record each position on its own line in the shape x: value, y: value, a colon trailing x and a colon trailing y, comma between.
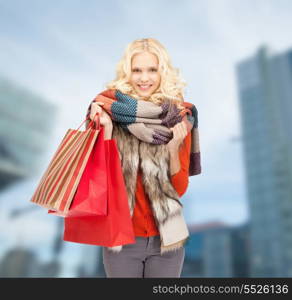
x: 104, y: 117
x: 179, y: 134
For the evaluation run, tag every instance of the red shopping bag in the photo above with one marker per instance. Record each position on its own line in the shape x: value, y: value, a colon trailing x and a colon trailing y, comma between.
x: 116, y: 227
x: 91, y: 194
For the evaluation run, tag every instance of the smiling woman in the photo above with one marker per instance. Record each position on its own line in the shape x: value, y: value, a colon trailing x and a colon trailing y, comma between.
x: 146, y: 62
x: 145, y: 78
x: 156, y: 134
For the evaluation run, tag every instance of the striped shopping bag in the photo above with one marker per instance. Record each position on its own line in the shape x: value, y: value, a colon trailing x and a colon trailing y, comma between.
x: 58, y: 185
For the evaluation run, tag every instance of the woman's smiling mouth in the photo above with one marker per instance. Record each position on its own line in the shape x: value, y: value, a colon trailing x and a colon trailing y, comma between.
x: 144, y: 87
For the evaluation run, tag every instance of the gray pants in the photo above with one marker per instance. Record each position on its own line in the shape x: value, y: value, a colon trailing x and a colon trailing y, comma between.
x: 143, y: 260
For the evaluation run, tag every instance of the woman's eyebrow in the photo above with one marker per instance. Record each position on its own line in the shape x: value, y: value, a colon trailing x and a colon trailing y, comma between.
x: 153, y: 67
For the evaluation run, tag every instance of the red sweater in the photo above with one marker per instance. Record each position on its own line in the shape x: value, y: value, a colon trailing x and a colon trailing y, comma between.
x: 143, y: 220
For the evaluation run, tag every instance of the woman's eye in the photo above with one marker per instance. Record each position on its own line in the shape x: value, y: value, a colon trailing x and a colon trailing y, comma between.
x: 153, y: 70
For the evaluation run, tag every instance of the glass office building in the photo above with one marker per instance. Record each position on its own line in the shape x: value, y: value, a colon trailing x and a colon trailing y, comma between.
x: 26, y: 123
x: 265, y: 99
x: 215, y: 249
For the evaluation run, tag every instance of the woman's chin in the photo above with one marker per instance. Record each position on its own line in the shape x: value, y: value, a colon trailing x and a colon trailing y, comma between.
x: 144, y: 93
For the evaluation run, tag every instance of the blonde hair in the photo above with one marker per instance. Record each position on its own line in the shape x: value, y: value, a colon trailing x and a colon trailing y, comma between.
x: 171, y: 84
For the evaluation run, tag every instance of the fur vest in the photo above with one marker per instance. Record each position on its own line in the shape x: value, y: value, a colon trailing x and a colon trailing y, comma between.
x: 153, y: 160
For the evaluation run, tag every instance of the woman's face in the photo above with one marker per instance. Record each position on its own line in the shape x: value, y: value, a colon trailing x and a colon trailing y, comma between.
x: 145, y: 78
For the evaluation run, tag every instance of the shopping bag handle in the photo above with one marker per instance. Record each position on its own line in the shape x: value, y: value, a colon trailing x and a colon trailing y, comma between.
x: 96, y: 124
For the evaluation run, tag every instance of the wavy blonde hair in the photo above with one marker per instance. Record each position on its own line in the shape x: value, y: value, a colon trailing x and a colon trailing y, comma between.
x: 171, y: 84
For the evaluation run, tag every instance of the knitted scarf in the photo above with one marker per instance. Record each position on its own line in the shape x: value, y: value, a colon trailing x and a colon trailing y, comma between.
x: 150, y: 122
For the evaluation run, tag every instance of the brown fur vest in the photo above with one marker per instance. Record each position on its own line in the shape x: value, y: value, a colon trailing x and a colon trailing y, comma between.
x: 164, y: 200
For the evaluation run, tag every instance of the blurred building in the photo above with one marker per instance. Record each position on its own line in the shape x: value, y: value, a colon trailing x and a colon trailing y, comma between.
x: 265, y: 95
x: 215, y: 249
x: 240, y: 249
x: 26, y: 124
x: 22, y: 262
x: 91, y: 264
x: 18, y: 262
x: 26, y: 121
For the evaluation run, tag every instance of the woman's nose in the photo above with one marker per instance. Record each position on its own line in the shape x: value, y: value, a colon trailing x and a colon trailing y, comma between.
x: 144, y: 76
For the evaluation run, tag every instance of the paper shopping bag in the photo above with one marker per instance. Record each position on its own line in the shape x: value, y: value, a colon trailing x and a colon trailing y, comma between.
x: 58, y: 185
x: 116, y: 227
x: 91, y: 194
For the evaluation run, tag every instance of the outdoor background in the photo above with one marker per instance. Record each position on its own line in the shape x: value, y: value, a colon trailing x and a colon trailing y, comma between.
x: 57, y: 55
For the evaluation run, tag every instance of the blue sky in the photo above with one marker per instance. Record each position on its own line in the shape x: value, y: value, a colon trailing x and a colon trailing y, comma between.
x: 66, y: 51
